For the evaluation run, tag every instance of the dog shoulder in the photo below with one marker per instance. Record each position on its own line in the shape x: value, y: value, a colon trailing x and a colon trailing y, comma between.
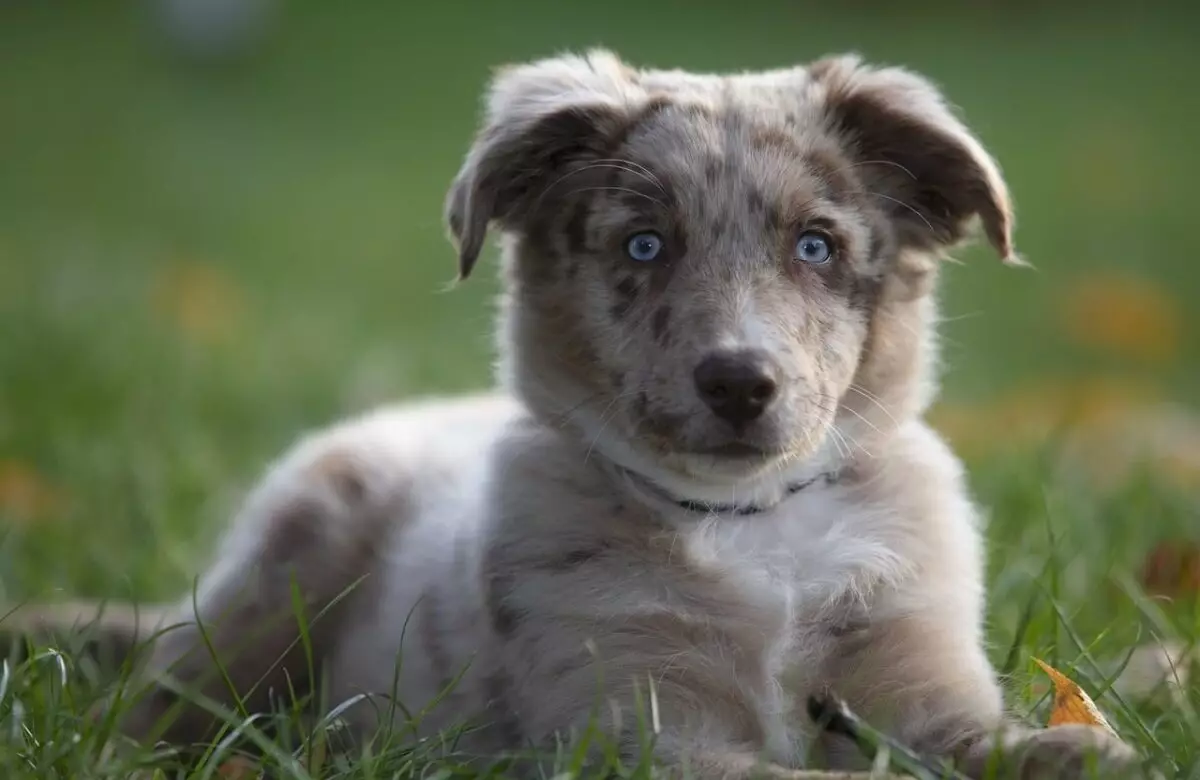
x: 935, y: 522
x: 342, y: 495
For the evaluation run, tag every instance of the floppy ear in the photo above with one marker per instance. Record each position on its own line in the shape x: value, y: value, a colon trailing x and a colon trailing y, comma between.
x: 929, y: 171
x: 540, y: 118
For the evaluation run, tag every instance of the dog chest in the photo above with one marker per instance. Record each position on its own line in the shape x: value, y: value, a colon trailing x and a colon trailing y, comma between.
x: 801, y: 573
x: 797, y: 558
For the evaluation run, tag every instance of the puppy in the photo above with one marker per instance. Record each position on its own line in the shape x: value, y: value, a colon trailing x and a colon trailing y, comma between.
x: 705, y: 484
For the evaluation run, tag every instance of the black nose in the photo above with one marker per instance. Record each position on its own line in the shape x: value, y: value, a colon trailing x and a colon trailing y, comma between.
x: 737, y: 386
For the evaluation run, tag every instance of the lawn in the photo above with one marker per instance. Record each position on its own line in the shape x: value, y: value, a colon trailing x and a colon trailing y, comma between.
x: 201, y: 259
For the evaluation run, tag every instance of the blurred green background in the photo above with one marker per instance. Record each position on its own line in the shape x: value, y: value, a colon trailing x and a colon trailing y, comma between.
x: 206, y: 248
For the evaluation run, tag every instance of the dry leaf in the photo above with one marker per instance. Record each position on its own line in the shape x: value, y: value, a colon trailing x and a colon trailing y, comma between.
x: 1172, y: 569
x: 1123, y: 314
x: 239, y: 768
x: 1071, y: 703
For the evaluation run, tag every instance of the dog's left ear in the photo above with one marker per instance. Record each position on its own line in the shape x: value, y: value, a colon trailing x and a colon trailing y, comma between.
x: 541, y: 117
x: 930, y: 172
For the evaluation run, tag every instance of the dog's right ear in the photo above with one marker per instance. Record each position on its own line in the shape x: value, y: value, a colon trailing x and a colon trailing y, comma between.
x: 540, y: 118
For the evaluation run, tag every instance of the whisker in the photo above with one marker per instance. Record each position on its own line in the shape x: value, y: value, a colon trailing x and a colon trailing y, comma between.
x: 958, y: 317
x: 864, y: 392
x: 867, y: 394
x: 892, y: 163
x: 637, y: 168
x: 615, y: 164
x: 905, y: 205
x: 605, y: 419
x: 627, y: 190
x: 839, y: 441
x: 538, y: 203
x: 560, y: 418
x: 872, y: 425
x: 620, y: 165
x: 844, y: 436
x: 901, y: 323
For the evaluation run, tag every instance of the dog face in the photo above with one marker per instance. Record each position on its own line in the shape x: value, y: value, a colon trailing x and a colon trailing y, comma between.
x: 709, y: 271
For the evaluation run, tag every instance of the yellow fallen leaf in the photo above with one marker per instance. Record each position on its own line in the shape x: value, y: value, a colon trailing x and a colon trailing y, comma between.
x: 1071, y: 703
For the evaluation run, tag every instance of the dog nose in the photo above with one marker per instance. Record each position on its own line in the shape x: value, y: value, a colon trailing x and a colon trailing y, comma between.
x: 737, y: 386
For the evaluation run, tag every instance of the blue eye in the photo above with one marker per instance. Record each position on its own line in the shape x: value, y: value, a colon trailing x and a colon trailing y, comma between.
x: 814, y: 248
x: 644, y: 247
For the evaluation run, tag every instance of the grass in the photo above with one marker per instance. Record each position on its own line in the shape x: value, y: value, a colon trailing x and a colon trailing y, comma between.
x: 198, y: 262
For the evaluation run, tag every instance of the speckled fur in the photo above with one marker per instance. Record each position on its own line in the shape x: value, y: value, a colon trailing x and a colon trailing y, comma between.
x: 527, y: 536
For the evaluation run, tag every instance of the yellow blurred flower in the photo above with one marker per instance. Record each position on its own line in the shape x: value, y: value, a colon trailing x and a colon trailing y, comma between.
x: 24, y: 494
x: 203, y: 303
x: 1031, y: 413
x: 1123, y: 314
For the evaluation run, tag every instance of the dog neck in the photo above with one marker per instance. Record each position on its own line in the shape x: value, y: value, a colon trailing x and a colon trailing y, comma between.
x: 648, y: 479
x: 646, y: 487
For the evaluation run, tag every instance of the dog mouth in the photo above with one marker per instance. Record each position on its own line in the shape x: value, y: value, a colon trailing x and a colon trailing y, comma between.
x: 757, y: 445
x: 735, y: 450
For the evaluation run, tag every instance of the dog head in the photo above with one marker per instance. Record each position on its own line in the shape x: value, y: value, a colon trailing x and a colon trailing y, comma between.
x: 711, y: 276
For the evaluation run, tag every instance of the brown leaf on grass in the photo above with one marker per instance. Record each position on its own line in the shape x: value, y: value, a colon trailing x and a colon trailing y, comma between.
x: 239, y: 768
x: 24, y: 494
x: 1124, y: 315
x: 1172, y: 569
x: 203, y: 303
x: 1071, y: 703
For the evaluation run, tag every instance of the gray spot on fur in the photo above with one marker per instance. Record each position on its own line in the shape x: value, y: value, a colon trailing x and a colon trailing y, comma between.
x: 431, y: 637
x: 498, y: 689
x: 576, y: 228
x: 576, y: 557
x: 626, y: 293
x: 504, y: 618
x: 660, y: 324
x: 294, y: 531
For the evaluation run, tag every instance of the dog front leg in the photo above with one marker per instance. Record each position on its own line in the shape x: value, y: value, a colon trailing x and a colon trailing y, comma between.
x: 925, y: 680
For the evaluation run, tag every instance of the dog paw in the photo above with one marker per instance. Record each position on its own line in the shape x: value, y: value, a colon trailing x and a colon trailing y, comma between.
x: 1073, y: 752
